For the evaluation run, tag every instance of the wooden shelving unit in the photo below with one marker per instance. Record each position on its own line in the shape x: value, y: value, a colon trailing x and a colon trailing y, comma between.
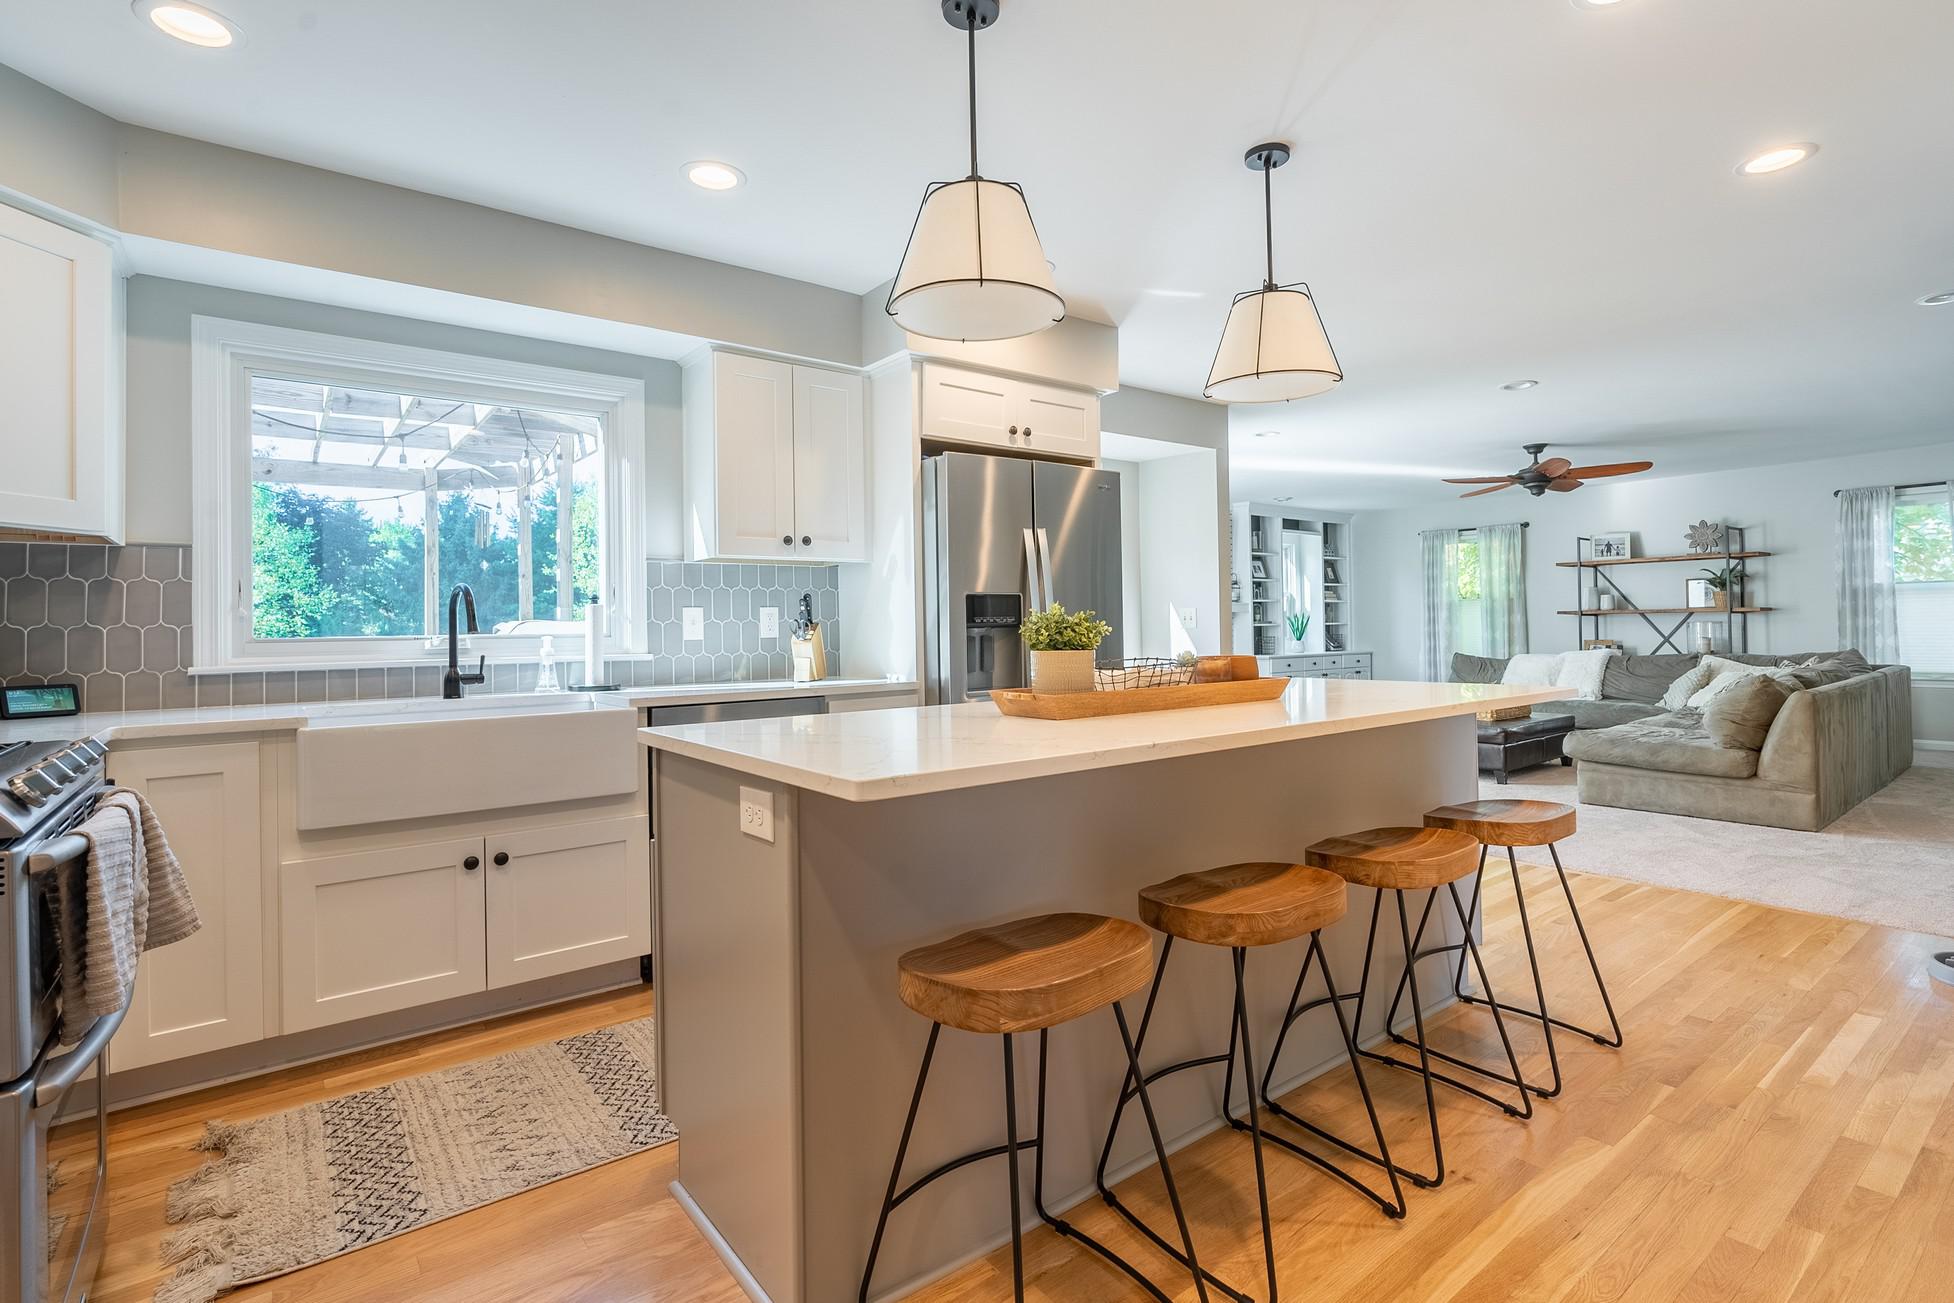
x: 1734, y: 557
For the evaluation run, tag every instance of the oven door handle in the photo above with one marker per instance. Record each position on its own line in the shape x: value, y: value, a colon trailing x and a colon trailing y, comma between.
x: 65, y: 1070
x: 60, y: 851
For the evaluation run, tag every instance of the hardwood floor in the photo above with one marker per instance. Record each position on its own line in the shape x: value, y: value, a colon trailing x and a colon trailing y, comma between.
x: 1779, y: 1126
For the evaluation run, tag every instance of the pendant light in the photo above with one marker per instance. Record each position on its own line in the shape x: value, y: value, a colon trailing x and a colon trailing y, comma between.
x: 1273, y: 347
x: 973, y: 268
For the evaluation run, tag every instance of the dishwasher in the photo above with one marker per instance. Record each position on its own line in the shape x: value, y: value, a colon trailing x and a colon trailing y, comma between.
x: 707, y: 712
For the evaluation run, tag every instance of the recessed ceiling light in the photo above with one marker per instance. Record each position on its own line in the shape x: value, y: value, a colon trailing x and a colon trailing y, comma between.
x: 1521, y: 384
x: 1939, y: 300
x: 1596, y: 4
x: 1287, y: 497
x: 1777, y: 159
x: 709, y: 175
x: 1265, y: 434
x: 190, y: 23
x: 1175, y: 294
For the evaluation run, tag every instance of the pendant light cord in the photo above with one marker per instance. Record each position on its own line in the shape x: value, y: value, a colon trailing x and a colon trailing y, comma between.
x: 1268, y: 223
x: 971, y: 27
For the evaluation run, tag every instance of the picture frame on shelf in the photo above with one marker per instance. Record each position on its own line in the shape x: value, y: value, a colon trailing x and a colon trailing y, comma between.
x: 1594, y: 644
x: 1330, y: 573
x: 1612, y: 547
x: 1699, y: 595
x: 1258, y: 568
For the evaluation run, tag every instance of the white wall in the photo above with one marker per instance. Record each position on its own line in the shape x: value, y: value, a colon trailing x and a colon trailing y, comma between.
x: 1788, y: 509
x: 1145, y: 414
x: 159, y: 312
x: 1180, y: 549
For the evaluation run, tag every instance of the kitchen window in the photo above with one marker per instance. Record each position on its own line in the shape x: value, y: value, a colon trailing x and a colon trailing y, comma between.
x: 343, y: 487
x: 1923, y: 576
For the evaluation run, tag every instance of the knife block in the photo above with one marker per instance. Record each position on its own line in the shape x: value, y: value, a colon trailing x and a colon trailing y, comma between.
x: 810, y: 657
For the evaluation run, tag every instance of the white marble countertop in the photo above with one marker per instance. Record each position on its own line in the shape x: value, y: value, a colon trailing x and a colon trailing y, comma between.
x: 214, y: 721
x: 876, y: 754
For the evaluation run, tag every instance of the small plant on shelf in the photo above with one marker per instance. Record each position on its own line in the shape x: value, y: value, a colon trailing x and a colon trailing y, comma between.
x: 1061, y: 644
x: 1298, y: 625
x: 1720, y: 582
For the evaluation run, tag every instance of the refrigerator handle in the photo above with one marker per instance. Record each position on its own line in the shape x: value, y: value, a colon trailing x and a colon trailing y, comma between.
x: 1045, y: 564
x: 1039, y: 594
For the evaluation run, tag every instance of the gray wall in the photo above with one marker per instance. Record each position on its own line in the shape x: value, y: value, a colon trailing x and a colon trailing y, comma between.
x: 159, y: 497
x: 1789, y: 510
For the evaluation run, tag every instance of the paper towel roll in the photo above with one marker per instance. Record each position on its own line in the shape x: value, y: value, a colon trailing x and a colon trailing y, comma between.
x: 593, y: 643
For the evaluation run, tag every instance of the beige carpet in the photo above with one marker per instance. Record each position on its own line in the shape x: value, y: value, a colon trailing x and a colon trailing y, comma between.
x: 315, y: 1182
x: 1889, y: 860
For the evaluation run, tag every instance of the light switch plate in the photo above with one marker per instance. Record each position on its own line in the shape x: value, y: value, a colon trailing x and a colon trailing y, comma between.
x: 694, y: 619
x: 770, y: 622
x: 756, y: 813
x: 1188, y: 619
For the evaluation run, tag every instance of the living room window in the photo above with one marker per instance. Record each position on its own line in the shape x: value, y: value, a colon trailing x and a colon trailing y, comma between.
x: 1923, y: 575
x: 345, y: 486
x: 1468, y: 613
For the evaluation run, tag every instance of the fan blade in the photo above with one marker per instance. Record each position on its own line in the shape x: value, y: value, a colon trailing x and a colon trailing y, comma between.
x: 1553, y: 468
x: 1495, y: 489
x: 1613, y: 468
x: 1483, y: 479
x: 1565, y: 484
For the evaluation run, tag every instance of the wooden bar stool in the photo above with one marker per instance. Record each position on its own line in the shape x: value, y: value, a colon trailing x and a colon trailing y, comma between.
x: 1510, y: 824
x: 1398, y: 860
x: 1027, y: 975
x: 1238, y: 906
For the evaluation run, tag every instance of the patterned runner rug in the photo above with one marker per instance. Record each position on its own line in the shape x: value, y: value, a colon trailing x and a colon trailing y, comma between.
x: 315, y: 1182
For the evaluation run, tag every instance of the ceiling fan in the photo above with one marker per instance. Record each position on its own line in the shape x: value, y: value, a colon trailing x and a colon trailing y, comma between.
x: 1556, y: 473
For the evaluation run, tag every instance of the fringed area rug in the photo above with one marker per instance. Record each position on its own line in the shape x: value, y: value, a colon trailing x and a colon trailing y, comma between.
x: 315, y: 1182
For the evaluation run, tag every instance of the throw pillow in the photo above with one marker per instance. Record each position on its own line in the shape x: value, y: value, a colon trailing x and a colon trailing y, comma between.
x: 1724, y: 675
x: 1583, y: 671
x: 1467, y: 668
x: 1687, y: 685
x: 1740, y: 716
x: 1533, y: 670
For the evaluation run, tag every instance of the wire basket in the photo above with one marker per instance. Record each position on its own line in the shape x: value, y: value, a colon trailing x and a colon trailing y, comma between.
x: 1142, y: 672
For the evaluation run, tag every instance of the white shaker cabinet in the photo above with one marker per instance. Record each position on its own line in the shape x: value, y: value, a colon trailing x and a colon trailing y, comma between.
x: 963, y: 406
x: 61, y: 372
x: 775, y: 462
x: 375, y: 931
x: 205, y: 992
x: 562, y: 899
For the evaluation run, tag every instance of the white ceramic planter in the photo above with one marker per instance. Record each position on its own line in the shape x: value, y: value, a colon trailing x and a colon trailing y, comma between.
x: 1061, y: 671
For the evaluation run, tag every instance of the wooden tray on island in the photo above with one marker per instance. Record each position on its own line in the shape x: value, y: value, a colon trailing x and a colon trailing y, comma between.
x: 1218, y: 681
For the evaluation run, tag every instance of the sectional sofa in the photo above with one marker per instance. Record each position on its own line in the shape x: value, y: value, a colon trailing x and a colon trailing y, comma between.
x: 1841, y: 734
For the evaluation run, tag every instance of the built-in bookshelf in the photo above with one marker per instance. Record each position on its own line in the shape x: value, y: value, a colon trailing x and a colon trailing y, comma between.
x: 1288, y: 561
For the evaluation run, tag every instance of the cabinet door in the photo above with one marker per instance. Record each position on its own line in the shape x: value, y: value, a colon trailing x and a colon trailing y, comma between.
x: 1056, y: 420
x: 61, y: 441
x: 381, y: 930
x: 206, y: 991
x: 830, y: 467
x: 753, y: 418
x: 968, y: 406
x: 561, y: 899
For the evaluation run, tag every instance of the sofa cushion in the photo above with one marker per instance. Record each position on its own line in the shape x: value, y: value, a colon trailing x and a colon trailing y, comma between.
x: 1817, y: 676
x: 1533, y: 669
x: 1583, y: 671
x: 1598, y: 714
x: 1643, y: 678
x: 1467, y: 668
x: 1725, y: 674
x: 1741, y: 715
x: 1667, y: 748
x: 1687, y: 685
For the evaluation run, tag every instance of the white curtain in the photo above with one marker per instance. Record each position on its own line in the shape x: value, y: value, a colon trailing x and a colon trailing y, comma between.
x: 1503, y: 588
x: 1868, y: 601
x: 1440, y: 552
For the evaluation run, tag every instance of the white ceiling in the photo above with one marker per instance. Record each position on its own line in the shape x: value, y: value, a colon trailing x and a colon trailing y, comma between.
x: 1481, y: 193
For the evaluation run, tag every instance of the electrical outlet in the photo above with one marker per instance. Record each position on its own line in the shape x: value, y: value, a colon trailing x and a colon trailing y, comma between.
x: 770, y: 622
x: 756, y: 813
x: 694, y: 619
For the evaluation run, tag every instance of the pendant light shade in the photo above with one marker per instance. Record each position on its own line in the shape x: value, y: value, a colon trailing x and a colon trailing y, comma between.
x: 1273, y: 349
x: 974, y: 269
x: 1273, y: 345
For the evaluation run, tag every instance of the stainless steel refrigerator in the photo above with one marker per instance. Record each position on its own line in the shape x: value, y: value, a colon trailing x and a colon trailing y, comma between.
x: 1003, y: 536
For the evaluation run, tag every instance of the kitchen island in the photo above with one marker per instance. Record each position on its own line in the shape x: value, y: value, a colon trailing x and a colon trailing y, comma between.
x: 785, y: 1056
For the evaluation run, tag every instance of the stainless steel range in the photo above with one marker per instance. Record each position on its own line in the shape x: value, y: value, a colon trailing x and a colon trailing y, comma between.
x: 51, y: 1221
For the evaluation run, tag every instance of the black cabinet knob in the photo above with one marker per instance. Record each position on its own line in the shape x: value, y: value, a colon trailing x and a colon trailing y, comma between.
x: 472, y: 863
x: 1014, y: 429
x: 788, y: 539
x: 501, y: 858
x: 807, y: 540
x: 1027, y: 432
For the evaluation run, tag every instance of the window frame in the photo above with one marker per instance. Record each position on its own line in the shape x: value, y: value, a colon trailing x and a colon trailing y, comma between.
x: 224, y: 356
x: 1915, y: 493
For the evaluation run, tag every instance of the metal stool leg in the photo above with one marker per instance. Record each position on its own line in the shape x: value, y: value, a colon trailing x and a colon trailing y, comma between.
x: 889, y: 1199
x: 1539, y: 988
x: 1011, y: 1153
x: 1614, y: 1042
x: 1254, y: 1122
x: 1160, y: 1152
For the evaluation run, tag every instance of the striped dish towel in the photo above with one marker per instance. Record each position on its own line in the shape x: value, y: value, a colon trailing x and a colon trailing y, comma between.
x: 129, y: 897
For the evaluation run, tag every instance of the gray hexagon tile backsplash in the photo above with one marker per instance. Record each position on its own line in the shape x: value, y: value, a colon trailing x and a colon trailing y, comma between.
x: 117, y: 621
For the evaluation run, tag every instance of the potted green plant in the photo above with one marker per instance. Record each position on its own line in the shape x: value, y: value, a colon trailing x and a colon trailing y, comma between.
x: 1061, y: 644
x: 1298, y: 626
x: 1719, y: 582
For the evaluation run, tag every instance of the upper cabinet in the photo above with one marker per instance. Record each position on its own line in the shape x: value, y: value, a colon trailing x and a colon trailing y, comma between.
x: 960, y: 406
x: 775, y: 462
x: 61, y: 370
